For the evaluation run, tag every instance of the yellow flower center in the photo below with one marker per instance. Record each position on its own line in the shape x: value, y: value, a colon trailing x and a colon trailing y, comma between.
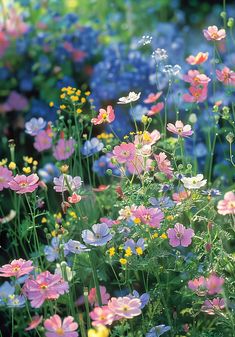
x: 60, y: 331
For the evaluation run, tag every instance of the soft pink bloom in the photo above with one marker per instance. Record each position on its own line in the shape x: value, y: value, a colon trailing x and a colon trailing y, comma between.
x: 5, y: 177
x: 163, y: 164
x: 180, y: 196
x: 139, y: 164
x: 198, y: 59
x: 24, y: 184
x: 75, y: 198
x: 147, y: 138
x: 102, y: 315
x: 4, y: 43
x: 64, y: 149
x: 198, y: 285
x: 227, y: 205
x: 149, y: 216
x: 92, y: 298
x: 46, y: 286
x: 124, y: 152
x: 214, y: 284
x: 65, y: 182
x: 211, y: 307
x: 153, y: 97
x: 42, y: 141
x: 214, y: 34
x: 195, y: 78
x: 101, y: 188
x: 226, y: 75
x: 14, y: 25
x: 180, y: 129
x: 125, y: 307
x: 36, y: 320
x: 155, y: 109
x: 180, y: 236
x: 16, y: 268
x: 107, y: 116
x: 197, y: 95
x: 56, y: 328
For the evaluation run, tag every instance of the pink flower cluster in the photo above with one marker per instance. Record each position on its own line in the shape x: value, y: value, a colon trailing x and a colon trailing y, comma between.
x: 157, y: 107
x: 211, y: 285
x: 227, y: 205
x: 198, y: 86
x: 16, y: 268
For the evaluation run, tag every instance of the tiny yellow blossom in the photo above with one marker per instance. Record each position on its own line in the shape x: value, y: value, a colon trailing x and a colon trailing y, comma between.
x: 35, y: 163
x: 83, y: 100
x: 170, y: 217
x: 100, y: 331
x: 87, y: 93
x: 27, y: 169
x: 62, y: 96
x: 139, y: 250
x: 53, y: 233
x: 62, y: 106
x: 44, y: 220
x: 51, y: 104
x: 128, y: 252
x: 111, y: 251
x: 79, y: 110
x: 78, y: 92
x: 3, y: 162
x: 28, y: 160
x: 137, y: 220
x: 12, y: 165
x: 144, y: 119
x: 123, y: 261
x: 73, y: 215
x: 163, y: 236
x: 74, y: 98
x: 155, y: 235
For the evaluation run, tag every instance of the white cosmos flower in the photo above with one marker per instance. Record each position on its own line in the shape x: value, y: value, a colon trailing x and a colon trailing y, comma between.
x: 194, y: 182
x: 132, y: 97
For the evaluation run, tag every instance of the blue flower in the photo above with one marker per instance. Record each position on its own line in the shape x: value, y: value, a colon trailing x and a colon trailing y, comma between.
x: 6, y: 289
x: 133, y: 245
x: 76, y: 247
x: 144, y: 298
x: 16, y: 301
x: 99, y: 235
x: 91, y: 147
x: 158, y: 330
x: 52, y: 252
x: 138, y: 112
x: 164, y: 202
x: 33, y: 126
x: 48, y: 172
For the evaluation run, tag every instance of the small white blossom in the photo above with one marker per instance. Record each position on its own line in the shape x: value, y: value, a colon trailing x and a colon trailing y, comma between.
x: 194, y: 182
x: 146, y: 39
x: 132, y: 97
x: 160, y: 55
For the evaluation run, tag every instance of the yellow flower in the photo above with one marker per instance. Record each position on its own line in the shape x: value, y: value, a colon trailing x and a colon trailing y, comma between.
x: 44, y: 220
x: 51, y: 104
x: 87, y: 93
x: 144, y: 119
x: 53, y: 233
x: 62, y: 106
x: 163, y: 236
x: 139, y: 250
x: 73, y: 214
x: 83, y: 100
x: 64, y: 89
x: 128, y: 252
x: 155, y: 235
x: 64, y: 168
x: 78, y: 92
x: 137, y: 220
x: 123, y: 261
x: 3, y: 162
x: 100, y: 331
x: 12, y: 165
x: 170, y: 217
x: 79, y: 111
x: 35, y: 163
x: 28, y: 160
x: 74, y: 98
x: 27, y: 170
x: 111, y: 251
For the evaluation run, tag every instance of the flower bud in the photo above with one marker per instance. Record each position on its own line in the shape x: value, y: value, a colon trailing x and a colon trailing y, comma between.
x: 230, y: 22
x: 230, y: 137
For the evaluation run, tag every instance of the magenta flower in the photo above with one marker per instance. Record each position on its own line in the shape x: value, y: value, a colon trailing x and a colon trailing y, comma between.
x: 36, y: 320
x: 149, y: 216
x: 180, y: 236
x: 214, y: 284
x: 92, y: 298
x: 198, y: 285
x: 153, y: 97
x: 16, y: 268
x: 212, y: 33
x: 66, y: 182
x: 180, y: 129
x: 227, y: 205
x: 124, y: 152
x: 226, y: 76
x: 24, y: 184
x: 64, y: 149
x: 155, y: 109
x: 5, y: 177
x: 195, y: 78
x: 102, y: 315
x: 56, y: 328
x: 125, y: 307
x: 107, y: 116
x: 46, y: 286
x: 42, y: 141
x: 196, y: 95
x: 211, y: 307
x: 163, y: 164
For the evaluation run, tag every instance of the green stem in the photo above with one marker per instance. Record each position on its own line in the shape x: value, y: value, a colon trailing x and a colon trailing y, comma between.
x: 95, y: 277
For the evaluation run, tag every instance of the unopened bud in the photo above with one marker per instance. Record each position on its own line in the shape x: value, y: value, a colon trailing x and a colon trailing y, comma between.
x: 230, y: 137
x: 230, y: 22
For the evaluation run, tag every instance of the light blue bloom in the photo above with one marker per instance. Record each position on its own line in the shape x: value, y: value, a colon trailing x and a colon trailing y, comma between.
x: 158, y: 330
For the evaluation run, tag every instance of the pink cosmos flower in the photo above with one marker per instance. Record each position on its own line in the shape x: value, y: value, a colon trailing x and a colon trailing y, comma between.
x: 180, y: 236
x: 56, y: 328
x: 24, y: 184
x: 180, y: 129
x: 4, y: 43
x: 92, y: 298
x: 195, y: 78
x: 124, y: 152
x: 153, y: 97
x: 42, y: 141
x: 36, y: 320
x: 16, y: 268
x: 211, y: 307
x: 180, y: 196
x: 147, y: 138
x: 125, y: 307
x: 102, y: 315
x: 75, y: 198
x: 46, y: 286
x: 107, y: 116
x: 214, y: 284
x: 64, y: 149
x: 163, y: 164
x: 197, y: 95
x: 198, y: 285
x: 198, y: 59
x: 227, y: 205
x: 155, y: 109
x: 212, y: 33
x: 226, y: 75
x: 149, y: 216
x: 14, y: 25
x: 139, y: 164
x: 5, y: 177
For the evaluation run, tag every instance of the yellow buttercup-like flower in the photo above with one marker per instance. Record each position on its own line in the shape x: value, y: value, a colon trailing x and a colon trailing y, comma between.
x: 100, y: 331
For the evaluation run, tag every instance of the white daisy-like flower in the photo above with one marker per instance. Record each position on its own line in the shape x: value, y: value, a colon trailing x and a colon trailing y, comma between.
x: 194, y: 183
x: 132, y: 97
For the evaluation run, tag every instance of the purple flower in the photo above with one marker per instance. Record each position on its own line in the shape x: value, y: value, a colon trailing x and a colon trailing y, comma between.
x: 6, y: 289
x: 75, y: 247
x: 144, y: 298
x: 133, y: 245
x: 64, y: 149
x: 52, y: 252
x: 180, y: 236
x: 16, y: 101
x: 164, y: 202
x: 66, y: 182
x: 91, y: 147
x: 158, y: 330
x: 99, y: 235
x: 34, y: 126
x: 15, y: 301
